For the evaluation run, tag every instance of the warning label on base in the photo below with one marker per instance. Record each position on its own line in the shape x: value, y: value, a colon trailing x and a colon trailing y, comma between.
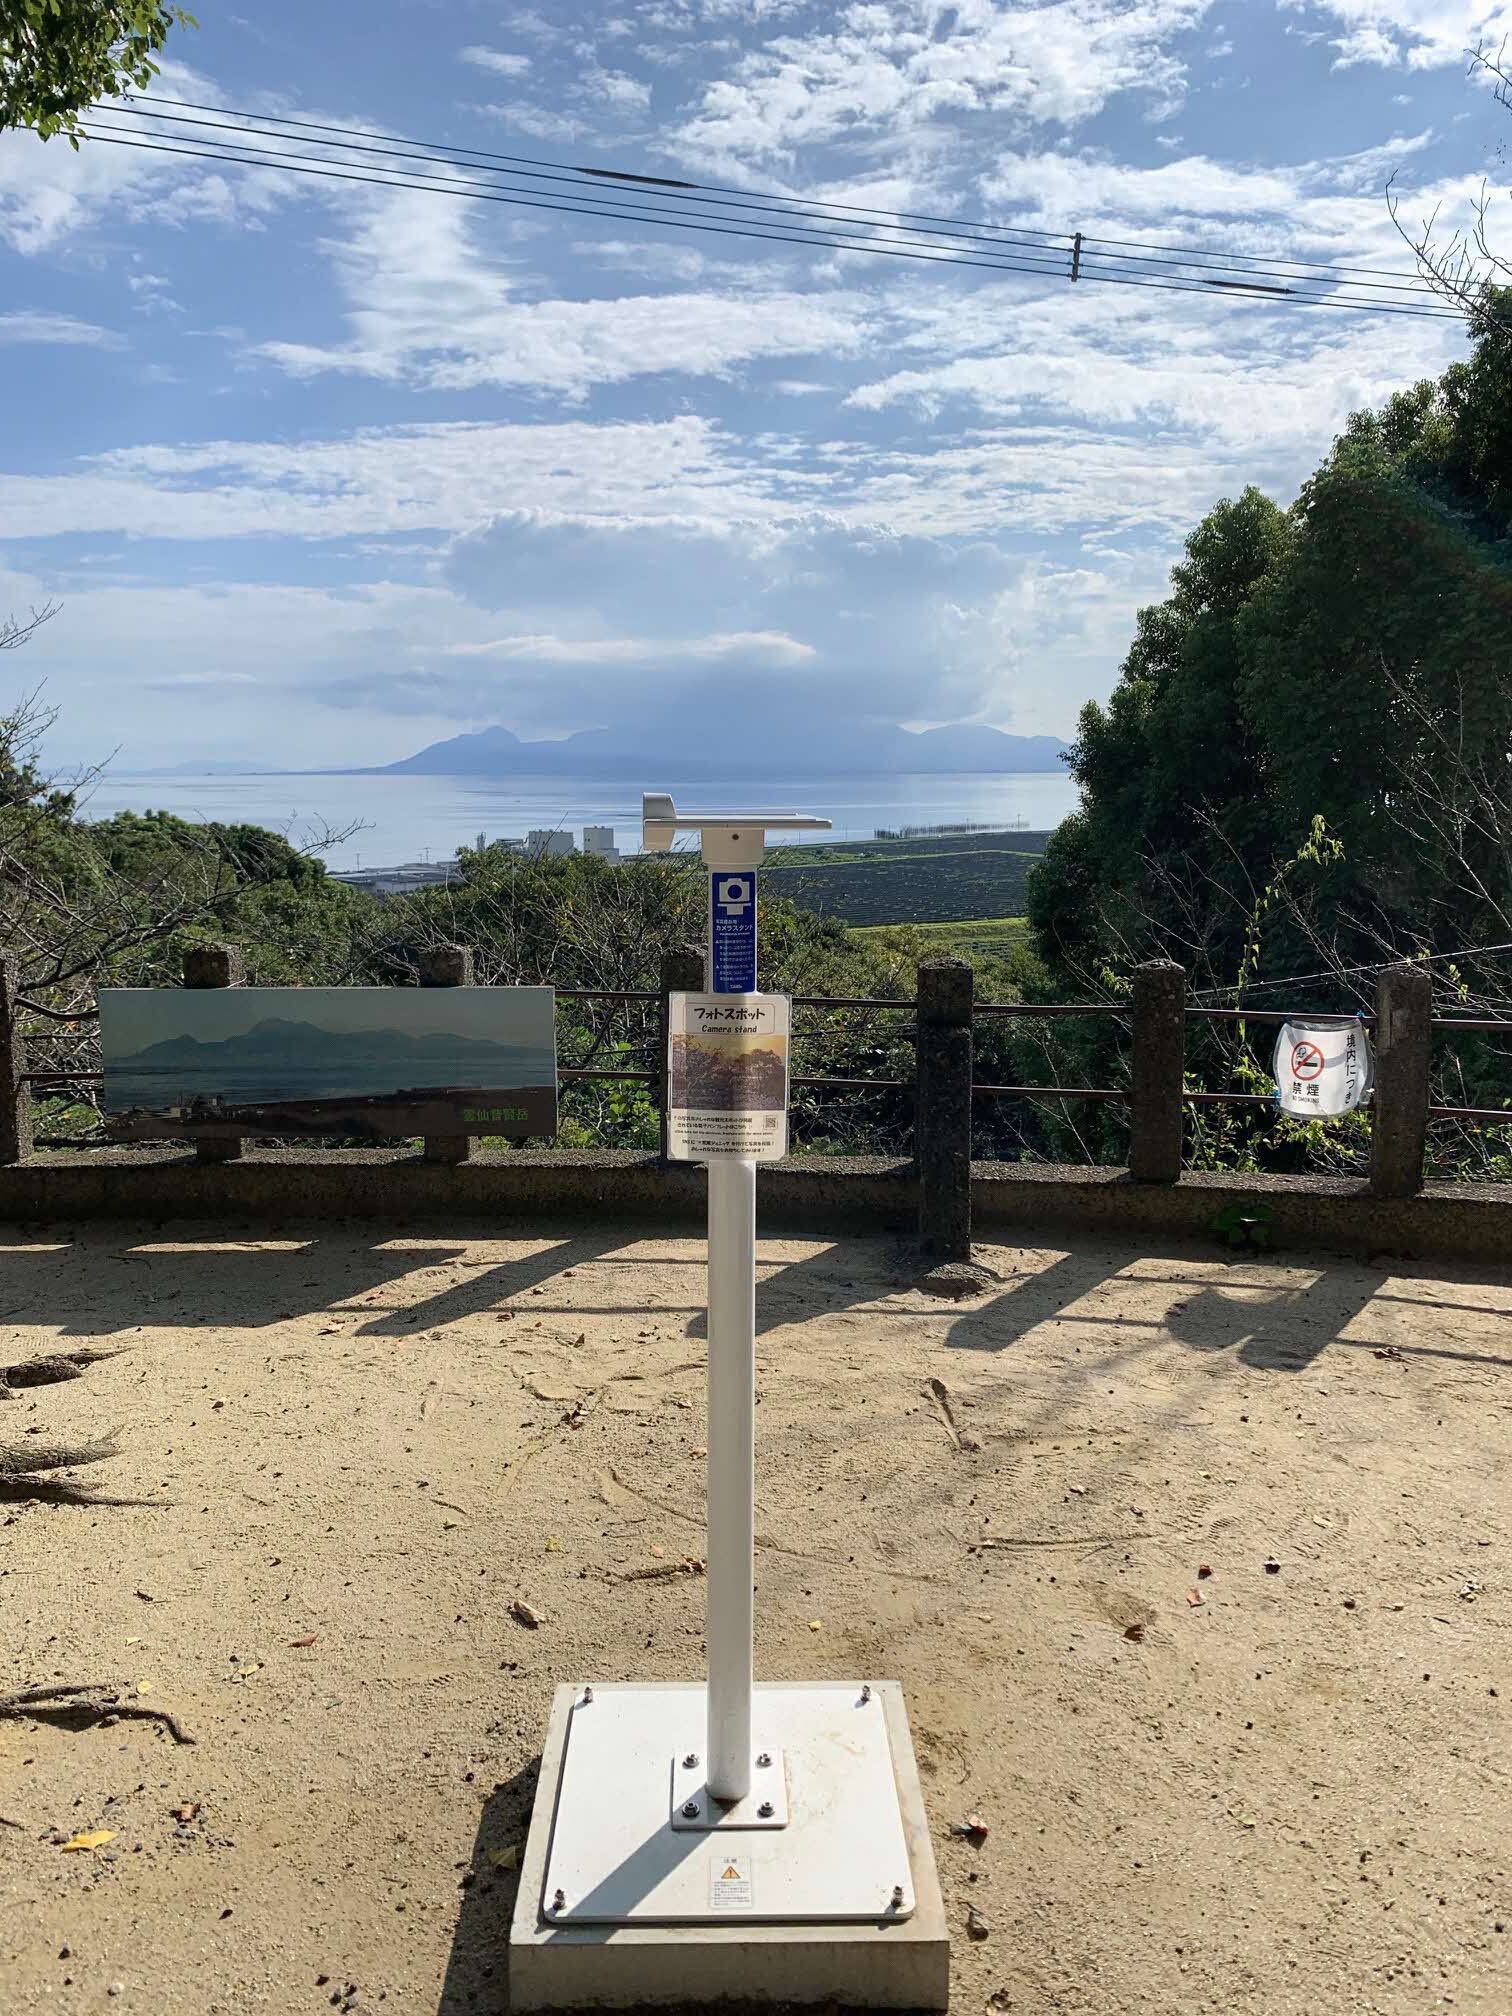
x: 730, y: 1884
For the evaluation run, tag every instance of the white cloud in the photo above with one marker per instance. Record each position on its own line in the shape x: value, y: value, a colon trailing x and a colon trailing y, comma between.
x: 615, y: 88
x: 651, y: 260
x: 50, y: 191
x: 1225, y: 392
x: 536, y: 122
x: 1334, y: 204
x: 502, y: 62
x: 383, y: 482
x: 30, y: 326
x: 231, y: 661
x: 856, y: 624
x: 880, y: 70
x: 529, y: 21
x: 845, y: 622
x: 1423, y: 34
x: 753, y: 647
x: 1365, y: 45
x: 429, y: 308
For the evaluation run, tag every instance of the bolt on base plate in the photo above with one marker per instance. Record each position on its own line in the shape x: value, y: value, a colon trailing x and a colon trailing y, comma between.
x: 695, y: 1810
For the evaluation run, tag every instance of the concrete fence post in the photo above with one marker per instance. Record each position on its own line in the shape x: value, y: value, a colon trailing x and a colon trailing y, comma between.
x: 1158, y: 1059
x: 446, y: 966
x: 215, y: 966
x: 942, y: 1109
x: 15, y: 1093
x: 682, y: 972
x: 1403, y: 1060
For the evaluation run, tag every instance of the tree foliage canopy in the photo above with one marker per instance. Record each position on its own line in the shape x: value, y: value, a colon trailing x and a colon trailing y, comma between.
x: 1347, y: 661
x: 58, y: 56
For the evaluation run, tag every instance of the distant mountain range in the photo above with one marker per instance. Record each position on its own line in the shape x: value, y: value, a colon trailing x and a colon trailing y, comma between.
x: 276, y: 1039
x: 867, y: 749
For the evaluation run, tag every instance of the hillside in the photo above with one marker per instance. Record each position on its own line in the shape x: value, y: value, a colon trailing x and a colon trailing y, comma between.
x: 932, y: 880
x: 871, y: 748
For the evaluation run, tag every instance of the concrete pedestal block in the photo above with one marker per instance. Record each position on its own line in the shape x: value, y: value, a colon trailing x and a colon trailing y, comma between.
x: 887, y: 1964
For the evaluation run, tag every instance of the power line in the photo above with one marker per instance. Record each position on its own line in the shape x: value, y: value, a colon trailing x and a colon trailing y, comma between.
x: 694, y: 190
x: 1269, y: 276
x: 296, y: 165
x: 1341, y: 972
x: 1036, y: 258
x: 1279, y: 275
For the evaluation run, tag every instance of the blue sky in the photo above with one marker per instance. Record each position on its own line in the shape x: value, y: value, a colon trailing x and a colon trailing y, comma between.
x: 319, y: 473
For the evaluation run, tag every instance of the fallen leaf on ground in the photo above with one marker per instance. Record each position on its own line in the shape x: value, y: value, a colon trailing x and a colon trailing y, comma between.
x: 144, y: 1687
x: 505, y: 1858
x: 553, y: 1545
x: 816, y: 1624
x: 95, y: 1840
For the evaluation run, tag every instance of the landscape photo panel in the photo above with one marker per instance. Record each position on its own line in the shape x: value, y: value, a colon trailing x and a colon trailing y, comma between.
x: 377, y: 1062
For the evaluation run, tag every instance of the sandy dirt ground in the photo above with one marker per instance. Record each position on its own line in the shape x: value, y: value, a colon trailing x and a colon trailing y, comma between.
x: 345, y: 1456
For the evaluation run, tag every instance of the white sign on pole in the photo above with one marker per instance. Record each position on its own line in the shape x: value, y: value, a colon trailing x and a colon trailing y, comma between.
x: 1322, y: 1069
x: 727, y: 1077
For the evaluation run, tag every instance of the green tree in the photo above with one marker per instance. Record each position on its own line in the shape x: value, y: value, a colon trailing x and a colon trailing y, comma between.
x: 1343, y: 661
x: 1306, y: 764
x: 1170, y: 773
x: 58, y: 56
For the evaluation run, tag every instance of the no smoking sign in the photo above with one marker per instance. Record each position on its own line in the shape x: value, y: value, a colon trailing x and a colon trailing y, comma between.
x: 1307, y: 1061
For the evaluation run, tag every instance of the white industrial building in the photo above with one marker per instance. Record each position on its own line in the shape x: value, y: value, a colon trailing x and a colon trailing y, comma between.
x: 549, y: 840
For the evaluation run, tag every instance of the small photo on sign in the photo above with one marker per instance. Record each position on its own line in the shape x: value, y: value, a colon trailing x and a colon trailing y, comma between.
x: 721, y: 1075
x: 727, y: 1076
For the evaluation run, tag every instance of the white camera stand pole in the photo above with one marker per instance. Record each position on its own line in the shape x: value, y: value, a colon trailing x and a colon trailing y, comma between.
x: 667, y: 1863
x: 732, y: 845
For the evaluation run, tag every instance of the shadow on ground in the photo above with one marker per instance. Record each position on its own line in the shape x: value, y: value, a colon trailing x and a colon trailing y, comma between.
x: 1280, y: 1326
x: 477, y: 1968
x: 106, y: 1287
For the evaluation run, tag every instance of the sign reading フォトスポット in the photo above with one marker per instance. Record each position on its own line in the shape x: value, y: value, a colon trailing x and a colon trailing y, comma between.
x: 1322, y: 1069
x: 727, y: 1077
x: 732, y: 931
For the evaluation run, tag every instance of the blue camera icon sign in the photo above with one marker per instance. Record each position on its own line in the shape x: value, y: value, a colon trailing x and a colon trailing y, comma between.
x: 732, y: 934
